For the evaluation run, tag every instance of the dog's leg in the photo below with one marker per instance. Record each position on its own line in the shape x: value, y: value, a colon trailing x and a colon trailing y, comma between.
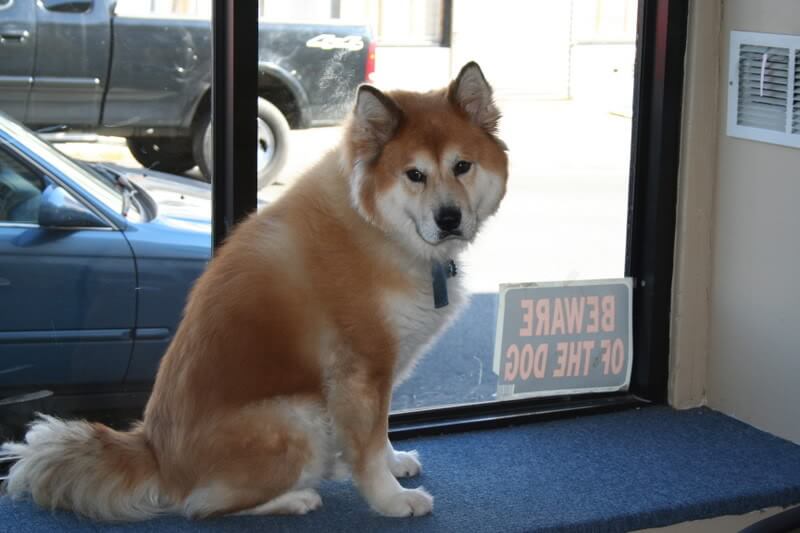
x: 402, y: 464
x: 265, y: 458
x: 339, y: 470
x: 295, y: 502
x: 359, y: 404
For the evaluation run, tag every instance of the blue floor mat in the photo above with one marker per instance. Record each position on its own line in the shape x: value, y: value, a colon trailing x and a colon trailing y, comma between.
x: 633, y: 469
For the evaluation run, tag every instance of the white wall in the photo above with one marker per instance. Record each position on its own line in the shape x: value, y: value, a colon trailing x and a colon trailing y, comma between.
x: 413, y: 68
x: 602, y: 74
x: 523, y: 47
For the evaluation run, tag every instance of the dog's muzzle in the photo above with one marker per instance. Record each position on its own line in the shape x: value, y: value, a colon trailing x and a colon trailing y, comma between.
x: 448, y: 219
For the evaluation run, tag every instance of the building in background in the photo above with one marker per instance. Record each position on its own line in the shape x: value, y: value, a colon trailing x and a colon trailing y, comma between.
x: 544, y: 49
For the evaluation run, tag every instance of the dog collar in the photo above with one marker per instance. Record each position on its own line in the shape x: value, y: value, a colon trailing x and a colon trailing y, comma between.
x: 439, y: 274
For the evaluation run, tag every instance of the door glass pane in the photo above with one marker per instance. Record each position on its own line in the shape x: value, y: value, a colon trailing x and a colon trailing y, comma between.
x: 562, y: 75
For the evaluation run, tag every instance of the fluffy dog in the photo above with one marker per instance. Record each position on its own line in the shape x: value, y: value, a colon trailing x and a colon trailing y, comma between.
x: 282, y: 369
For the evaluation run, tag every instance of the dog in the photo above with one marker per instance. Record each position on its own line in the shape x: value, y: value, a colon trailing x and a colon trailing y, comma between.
x: 281, y: 372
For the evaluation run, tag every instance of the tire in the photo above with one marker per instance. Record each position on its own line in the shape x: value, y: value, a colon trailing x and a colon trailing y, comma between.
x: 273, y: 143
x: 166, y: 154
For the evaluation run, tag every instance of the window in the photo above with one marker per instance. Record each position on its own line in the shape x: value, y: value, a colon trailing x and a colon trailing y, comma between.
x: 163, y: 8
x: 418, y: 22
x: 413, y: 23
x: 567, y: 119
x: 20, y: 191
x: 603, y: 21
x: 67, y: 6
x: 567, y: 215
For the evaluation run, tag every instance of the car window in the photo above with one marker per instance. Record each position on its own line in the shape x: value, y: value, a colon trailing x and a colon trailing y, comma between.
x: 20, y: 190
x: 92, y: 182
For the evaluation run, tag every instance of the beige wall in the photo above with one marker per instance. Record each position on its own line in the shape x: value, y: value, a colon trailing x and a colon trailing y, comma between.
x: 736, y: 305
x: 754, y: 360
x: 691, y: 305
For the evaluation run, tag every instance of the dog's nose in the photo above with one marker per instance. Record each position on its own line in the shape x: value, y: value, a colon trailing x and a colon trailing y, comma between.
x: 448, y: 218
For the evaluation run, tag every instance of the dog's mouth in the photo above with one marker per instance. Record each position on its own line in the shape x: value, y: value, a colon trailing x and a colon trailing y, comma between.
x: 442, y: 236
x: 437, y: 236
x: 450, y: 235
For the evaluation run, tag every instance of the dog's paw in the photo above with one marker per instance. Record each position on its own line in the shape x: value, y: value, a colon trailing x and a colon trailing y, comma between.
x: 294, y: 502
x: 304, y: 501
x: 405, y: 464
x: 408, y: 502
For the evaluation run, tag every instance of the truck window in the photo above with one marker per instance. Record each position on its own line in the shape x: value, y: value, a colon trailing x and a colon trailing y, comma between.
x: 67, y: 6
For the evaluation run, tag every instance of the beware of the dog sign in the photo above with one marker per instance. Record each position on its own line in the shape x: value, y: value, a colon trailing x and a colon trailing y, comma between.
x: 563, y: 338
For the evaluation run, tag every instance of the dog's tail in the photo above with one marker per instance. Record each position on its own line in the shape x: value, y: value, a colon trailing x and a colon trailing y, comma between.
x: 86, y: 467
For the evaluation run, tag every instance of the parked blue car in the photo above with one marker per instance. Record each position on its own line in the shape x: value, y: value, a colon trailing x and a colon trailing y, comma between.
x: 95, y: 266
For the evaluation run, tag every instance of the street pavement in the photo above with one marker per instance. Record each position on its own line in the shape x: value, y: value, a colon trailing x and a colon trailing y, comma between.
x: 458, y: 367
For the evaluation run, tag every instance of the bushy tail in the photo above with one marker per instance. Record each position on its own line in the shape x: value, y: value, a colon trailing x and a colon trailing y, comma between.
x: 86, y: 467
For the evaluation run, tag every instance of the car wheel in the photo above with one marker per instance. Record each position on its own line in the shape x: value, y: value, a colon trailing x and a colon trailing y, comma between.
x: 167, y: 154
x: 272, y: 144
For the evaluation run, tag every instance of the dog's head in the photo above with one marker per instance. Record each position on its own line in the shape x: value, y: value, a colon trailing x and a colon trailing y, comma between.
x: 427, y: 168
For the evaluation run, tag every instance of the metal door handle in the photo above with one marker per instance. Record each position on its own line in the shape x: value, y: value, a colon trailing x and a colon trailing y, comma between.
x: 14, y: 36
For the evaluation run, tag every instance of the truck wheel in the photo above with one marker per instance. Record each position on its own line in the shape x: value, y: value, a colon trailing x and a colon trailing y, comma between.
x: 167, y: 154
x: 273, y: 143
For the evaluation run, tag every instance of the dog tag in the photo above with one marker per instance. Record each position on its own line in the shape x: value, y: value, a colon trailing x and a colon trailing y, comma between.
x: 439, y: 274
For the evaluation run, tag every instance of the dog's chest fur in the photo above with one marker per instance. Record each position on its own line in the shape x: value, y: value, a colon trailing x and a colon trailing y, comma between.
x: 416, y: 323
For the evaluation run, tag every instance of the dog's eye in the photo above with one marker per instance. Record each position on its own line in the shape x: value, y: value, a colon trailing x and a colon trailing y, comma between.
x: 462, y: 167
x: 415, y: 175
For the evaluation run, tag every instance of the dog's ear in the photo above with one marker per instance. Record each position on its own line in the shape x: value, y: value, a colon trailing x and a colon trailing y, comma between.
x: 472, y: 93
x: 376, y: 118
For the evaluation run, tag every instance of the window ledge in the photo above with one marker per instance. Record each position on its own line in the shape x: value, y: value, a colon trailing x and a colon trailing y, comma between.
x: 622, y: 471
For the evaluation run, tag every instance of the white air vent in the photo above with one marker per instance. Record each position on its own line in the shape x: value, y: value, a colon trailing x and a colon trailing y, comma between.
x: 796, y: 95
x: 764, y: 88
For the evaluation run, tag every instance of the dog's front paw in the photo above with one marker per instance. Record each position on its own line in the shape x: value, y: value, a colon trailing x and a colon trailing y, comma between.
x: 405, y: 464
x: 408, y: 502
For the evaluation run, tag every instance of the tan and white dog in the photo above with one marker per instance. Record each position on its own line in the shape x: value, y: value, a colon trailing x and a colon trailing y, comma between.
x: 281, y: 372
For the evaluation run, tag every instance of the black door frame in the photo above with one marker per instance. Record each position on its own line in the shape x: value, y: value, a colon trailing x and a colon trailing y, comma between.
x: 234, y: 94
x: 652, y: 198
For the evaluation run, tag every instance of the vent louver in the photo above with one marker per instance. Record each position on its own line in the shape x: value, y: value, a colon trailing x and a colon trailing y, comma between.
x: 764, y: 88
x: 763, y: 85
x: 796, y: 96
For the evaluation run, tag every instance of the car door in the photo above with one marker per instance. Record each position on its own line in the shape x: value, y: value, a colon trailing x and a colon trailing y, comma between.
x: 67, y: 294
x: 73, y: 43
x: 17, y: 41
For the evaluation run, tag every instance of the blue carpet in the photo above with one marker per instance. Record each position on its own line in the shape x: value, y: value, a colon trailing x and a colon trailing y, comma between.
x: 615, y: 472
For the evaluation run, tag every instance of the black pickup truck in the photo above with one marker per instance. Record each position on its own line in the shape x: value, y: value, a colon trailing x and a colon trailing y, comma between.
x: 80, y: 65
